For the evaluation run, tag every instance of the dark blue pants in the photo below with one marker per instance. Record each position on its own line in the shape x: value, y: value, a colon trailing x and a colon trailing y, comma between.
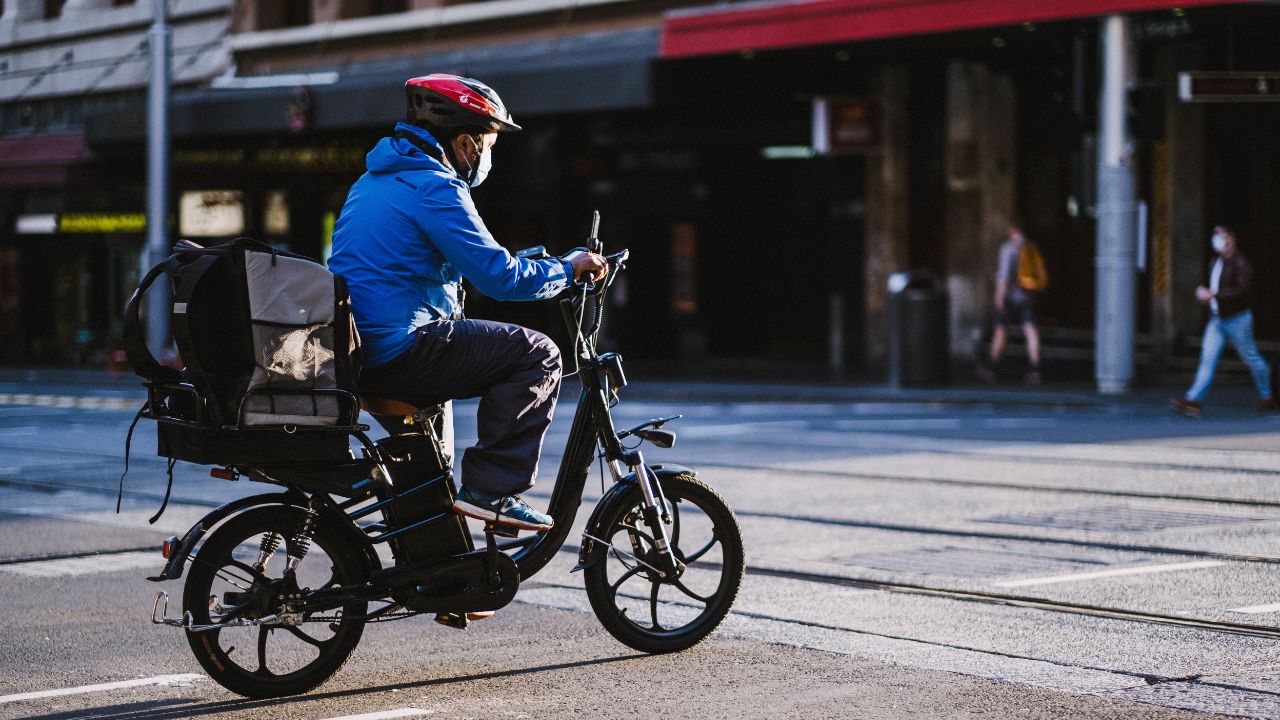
x: 514, y: 371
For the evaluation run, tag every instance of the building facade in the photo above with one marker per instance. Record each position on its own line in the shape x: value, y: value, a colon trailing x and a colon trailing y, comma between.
x: 770, y: 164
x: 72, y: 215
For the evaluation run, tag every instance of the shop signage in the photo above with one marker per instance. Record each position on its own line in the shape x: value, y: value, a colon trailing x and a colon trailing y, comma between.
x: 275, y: 213
x: 844, y: 125
x: 1229, y: 86
x: 335, y: 157
x: 211, y: 213
x: 50, y: 224
x: 102, y: 222
x: 37, y: 224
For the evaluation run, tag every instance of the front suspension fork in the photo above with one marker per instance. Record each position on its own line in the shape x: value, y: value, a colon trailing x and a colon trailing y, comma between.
x: 656, y: 512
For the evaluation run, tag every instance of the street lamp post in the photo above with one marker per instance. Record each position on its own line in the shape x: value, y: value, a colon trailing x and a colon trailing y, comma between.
x: 1115, y: 260
x: 159, y: 38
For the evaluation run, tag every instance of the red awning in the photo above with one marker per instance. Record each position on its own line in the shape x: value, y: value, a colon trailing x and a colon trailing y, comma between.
x: 39, y: 160
x: 41, y: 150
x: 815, y: 22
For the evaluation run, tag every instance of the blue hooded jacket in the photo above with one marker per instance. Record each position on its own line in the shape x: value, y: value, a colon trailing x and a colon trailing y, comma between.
x: 406, y: 237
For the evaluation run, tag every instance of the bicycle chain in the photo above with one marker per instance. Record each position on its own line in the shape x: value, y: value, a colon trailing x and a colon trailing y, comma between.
x: 381, y: 618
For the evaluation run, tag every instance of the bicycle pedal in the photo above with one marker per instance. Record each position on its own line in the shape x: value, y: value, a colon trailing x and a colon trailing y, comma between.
x: 453, y: 620
x: 506, y: 531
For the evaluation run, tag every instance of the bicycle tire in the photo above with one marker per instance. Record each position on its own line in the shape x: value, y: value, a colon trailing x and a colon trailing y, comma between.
x: 683, y: 492
x: 347, y: 568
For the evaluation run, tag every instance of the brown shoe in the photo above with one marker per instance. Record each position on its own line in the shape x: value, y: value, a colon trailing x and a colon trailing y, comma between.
x: 1189, y: 408
x: 1266, y: 405
x: 1032, y: 378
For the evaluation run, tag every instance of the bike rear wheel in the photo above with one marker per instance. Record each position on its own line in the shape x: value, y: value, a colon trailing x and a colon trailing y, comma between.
x: 655, y: 614
x: 240, y: 574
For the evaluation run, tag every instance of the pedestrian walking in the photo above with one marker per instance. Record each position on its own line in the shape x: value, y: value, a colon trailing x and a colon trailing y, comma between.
x: 1020, y: 275
x: 1228, y: 296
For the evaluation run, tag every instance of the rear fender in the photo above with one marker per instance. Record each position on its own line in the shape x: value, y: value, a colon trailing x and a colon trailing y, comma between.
x: 595, y: 524
x: 187, y: 545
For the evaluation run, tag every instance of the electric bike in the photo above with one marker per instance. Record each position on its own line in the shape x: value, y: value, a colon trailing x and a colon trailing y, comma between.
x: 281, y: 585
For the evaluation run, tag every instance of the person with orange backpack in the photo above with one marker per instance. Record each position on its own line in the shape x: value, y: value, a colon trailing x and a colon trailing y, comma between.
x: 1021, y: 275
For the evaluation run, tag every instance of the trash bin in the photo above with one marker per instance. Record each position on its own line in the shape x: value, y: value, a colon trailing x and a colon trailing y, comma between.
x: 919, y: 350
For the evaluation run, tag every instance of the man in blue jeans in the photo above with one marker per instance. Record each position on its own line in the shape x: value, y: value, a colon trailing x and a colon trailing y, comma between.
x: 1228, y: 296
x: 407, y: 236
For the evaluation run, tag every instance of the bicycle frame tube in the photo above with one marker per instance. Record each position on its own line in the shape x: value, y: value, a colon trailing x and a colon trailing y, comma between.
x: 592, y: 424
x: 567, y: 494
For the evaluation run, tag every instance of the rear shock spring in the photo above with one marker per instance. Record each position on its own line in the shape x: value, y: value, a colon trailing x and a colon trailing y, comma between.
x: 267, y: 547
x: 300, y: 543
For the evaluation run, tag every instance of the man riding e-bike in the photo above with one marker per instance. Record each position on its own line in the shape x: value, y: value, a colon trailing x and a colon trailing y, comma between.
x: 407, y: 236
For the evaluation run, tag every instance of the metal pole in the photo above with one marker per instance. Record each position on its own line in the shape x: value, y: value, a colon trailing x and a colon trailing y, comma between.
x: 1116, y: 279
x: 159, y: 38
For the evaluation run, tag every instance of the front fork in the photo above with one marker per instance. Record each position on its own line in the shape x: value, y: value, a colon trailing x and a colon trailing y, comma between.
x: 656, y: 511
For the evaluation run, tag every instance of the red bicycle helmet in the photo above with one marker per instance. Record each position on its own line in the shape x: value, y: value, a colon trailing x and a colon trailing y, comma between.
x: 452, y: 101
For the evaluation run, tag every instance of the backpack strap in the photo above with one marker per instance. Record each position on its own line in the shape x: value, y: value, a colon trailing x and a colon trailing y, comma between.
x: 135, y: 345
x: 187, y: 283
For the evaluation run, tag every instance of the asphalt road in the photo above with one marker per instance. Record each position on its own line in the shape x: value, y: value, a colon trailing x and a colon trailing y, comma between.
x: 905, y: 560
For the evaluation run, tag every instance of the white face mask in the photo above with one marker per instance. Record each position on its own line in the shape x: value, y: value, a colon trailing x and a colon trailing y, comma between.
x: 481, y: 167
x: 486, y: 164
x: 1219, y: 242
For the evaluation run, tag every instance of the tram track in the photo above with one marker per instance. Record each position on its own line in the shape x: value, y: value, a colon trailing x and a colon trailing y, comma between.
x: 1011, y: 537
x: 994, y: 485
x: 1021, y: 601
x: 47, y: 487
x: 841, y: 440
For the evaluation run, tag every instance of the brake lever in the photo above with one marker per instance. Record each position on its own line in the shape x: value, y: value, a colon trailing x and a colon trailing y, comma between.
x: 655, y: 423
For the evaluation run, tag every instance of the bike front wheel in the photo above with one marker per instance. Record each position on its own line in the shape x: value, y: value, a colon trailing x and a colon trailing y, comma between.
x: 241, y: 577
x: 656, y: 614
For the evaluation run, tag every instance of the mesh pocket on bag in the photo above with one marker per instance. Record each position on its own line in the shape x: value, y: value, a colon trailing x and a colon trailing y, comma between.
x: 290, y: 362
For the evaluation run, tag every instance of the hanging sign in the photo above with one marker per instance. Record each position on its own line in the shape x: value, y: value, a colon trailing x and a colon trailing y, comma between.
x: 844, y: 125
x: 1229, y: 86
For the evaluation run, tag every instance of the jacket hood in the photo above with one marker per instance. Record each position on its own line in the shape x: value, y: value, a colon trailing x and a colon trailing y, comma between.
x: 393, y: 154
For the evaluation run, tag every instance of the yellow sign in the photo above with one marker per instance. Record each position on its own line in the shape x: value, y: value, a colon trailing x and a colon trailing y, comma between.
x: 102, y: 222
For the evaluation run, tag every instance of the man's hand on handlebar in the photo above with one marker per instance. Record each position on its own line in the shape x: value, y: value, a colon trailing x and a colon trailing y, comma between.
x: 588, y: 266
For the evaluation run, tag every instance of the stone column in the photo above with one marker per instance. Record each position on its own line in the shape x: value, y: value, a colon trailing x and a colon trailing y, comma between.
x: 887, y: 210
x: 980, y: 196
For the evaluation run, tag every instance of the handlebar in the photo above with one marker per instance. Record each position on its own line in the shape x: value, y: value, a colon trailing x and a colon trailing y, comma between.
x: 615, y: 262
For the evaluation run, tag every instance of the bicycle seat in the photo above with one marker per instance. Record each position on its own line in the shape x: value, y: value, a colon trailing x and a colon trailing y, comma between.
x: 375, y: 405
x: 411, y: 412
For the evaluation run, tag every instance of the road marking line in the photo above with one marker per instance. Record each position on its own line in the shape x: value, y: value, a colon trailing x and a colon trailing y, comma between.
x: 87, y: 565
x: 398, y: 713
x: 1257, y: 609
x: 1117, y: 572
x: 161, y: 680
x: 83, y: 402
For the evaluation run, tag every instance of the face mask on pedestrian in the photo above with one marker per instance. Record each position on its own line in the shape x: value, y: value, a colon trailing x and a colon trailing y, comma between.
x: 1219, y: 242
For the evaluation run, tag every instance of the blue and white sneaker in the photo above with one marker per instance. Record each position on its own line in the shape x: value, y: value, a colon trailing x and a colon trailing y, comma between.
x: 501, y: 509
